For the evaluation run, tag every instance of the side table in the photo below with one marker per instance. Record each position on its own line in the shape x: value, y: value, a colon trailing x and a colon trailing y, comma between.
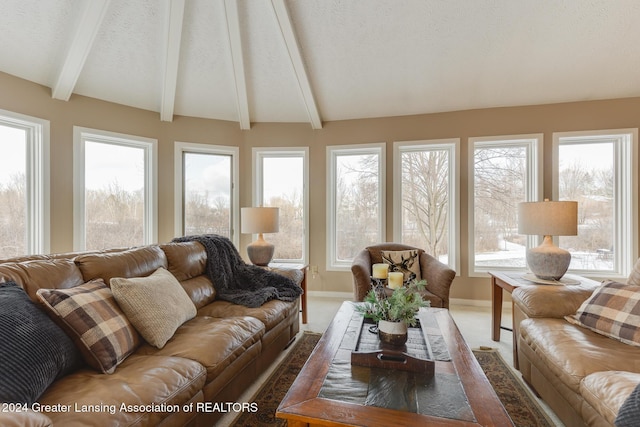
x: 508, y: 281
x: 304, y: 268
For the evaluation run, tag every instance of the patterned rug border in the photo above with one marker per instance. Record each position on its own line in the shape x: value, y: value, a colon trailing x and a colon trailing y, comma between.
x: 262, y: 418
x: 542, y: 419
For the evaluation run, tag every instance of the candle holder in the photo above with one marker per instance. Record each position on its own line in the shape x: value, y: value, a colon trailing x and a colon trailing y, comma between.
x: 378, y: 285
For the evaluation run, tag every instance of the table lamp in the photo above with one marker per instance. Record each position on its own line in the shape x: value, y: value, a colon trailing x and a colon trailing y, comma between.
x: 547, y: 261
x: 260, y: 220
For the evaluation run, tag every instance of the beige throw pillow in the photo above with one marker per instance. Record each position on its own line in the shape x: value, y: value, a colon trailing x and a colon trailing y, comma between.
x: 156, y: 305
x: 406, y: 262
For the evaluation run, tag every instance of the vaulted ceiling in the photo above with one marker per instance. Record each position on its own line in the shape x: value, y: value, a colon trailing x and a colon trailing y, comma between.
x: 323, y: 60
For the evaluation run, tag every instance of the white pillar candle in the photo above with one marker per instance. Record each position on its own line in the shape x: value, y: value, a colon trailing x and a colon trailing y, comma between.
x: 380, y: 271
x: 395, y: 279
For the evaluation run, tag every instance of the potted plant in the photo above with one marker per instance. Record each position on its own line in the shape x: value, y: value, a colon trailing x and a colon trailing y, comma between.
x: 394, y: 313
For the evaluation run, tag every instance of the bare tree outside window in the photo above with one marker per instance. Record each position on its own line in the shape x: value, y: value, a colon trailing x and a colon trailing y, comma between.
x: 283, y: 187
x: 586, y: 175
x: 114, y: 195
x: 207, y: 194
x: 500, y: 178
x: 13, y: 195
x: 357, y: 204
x: 425, y: 200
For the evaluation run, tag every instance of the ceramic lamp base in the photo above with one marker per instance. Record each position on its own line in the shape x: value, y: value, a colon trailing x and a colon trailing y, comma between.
x: 547, y: 261
x: 260, y: 252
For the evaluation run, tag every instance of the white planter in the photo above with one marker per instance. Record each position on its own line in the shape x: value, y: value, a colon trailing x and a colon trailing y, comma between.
x: 392, y: 333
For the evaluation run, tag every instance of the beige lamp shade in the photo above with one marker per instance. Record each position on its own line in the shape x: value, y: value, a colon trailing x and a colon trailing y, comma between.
x: 547, y: 261
x: 260, y: 220
x: 548, y: 218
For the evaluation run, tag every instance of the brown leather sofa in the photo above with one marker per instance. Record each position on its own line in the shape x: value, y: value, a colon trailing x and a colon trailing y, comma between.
x: 583, y: 376
x: 439, y: 276
x: 211, y: 358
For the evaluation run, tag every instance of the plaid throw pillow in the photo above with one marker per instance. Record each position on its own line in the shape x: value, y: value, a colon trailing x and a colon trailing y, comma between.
x: 91, y: 316
x: 613, y: 310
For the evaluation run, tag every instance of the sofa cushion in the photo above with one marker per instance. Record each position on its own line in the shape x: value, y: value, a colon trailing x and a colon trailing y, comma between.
x: 629, y: 412
x: 214, y: 343
x: 139, y: 380
x: 200, y: 290
x: 187, y: 262
x: 156, y: 305
x: 571, y: 353
x: 34, y: 274
x: 613, y: 311
x: 136, y: 262
x: 34, y: 350
x: 93, y: 319
x: 406, y: 262
x: 607, y: 391
x: 27, y: 418
x: 270, y: 313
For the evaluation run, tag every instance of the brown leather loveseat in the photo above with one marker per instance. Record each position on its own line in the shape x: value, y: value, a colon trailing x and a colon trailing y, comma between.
x: 193, y: 379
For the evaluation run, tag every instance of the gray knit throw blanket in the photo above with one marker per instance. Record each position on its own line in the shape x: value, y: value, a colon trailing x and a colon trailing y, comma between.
x: 238, y: 282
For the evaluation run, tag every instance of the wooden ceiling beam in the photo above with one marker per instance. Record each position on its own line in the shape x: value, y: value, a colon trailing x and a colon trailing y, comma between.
x: 80, y: 48
x: 173, y: 36
x: 232, y: 21
x: 295, y: 56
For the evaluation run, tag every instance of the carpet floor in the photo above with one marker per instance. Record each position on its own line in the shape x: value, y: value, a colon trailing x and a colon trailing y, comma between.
x: 519, y: 403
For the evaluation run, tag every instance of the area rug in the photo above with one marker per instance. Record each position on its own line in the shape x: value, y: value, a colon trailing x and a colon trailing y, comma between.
x: 275, y: 388
x: 517, y: 400
x: 524, y: 411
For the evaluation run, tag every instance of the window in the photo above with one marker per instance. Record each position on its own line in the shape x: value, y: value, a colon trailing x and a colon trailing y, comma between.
x: 356, y: 200
x: 115, y: 186
x: 426, y: 197
x: 24, y: 185
x: 505, y: 171
x: 597, y: 169
x: 282, y: 181
x: 206, y: 196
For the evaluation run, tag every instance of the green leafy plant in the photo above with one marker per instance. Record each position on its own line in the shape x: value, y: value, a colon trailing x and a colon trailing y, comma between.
x: 401, y: 306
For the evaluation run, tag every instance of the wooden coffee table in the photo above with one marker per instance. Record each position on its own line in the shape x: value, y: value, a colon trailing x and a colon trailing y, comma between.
x: 330, y: 391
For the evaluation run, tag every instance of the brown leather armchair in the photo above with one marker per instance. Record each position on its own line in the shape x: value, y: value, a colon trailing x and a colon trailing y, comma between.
x: 438, y: 275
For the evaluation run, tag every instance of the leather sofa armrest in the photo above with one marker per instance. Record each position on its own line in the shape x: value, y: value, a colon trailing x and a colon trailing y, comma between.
x: 361, y: 271
x: 551, y: 301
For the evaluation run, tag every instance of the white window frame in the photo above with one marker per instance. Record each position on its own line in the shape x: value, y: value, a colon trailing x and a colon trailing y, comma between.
x: 37, y: 176
x: 333, y: 152
x: 452, y: 147
x: 189, y: 147
x: 257, y: 157
x: 533, y: 189
x: 626, y: 188
x: 149, y: 146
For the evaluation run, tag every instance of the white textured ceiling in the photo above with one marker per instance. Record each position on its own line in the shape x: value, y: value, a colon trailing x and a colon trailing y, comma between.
x: 319, y: 60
